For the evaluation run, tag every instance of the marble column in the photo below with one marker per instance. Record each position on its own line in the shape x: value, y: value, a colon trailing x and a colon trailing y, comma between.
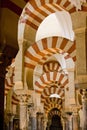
x: 68, y: 121
x: 10, y: 121
x: 75, y: 117
x: 65, y: 120
x: 42, y: 123
x: 84, y: 108
x: 33, y: 122
x: 45, y: 122
x: 39, y: 123
x: 23, y: 116
x: 33, y: 118
x: 64, y: 123
x: 23, y: 96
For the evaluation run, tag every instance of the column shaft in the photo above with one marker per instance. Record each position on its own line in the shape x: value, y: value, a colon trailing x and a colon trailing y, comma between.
x: 23, y: 117
x: 84, y: 106
x: 75, y: 122
x: 33, y: 123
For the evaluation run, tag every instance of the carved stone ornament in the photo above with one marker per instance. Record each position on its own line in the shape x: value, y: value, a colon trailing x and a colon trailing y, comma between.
x: 23, y: 96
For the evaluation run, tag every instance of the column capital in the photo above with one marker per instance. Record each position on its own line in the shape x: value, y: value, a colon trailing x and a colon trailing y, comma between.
x: 75, y: 109
x: 84, y: 94
x: 32, y: 112
x: 39, y: 114
x: 23, y: 96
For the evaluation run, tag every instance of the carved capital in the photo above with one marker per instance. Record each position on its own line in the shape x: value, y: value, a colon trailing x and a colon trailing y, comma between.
x: 84, y: 95
x: 75, y: 109
x: 23, y: 96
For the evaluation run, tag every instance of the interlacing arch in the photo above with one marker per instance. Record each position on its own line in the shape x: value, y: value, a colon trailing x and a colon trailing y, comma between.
x: 46, y: 46
x: 48, y: 78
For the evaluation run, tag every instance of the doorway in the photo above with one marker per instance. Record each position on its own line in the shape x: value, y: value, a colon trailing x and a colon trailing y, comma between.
x: 56, y: 123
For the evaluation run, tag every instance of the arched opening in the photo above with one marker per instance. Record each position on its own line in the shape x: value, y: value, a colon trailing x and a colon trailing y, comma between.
x: 54, y: 120
x: 56, y: 123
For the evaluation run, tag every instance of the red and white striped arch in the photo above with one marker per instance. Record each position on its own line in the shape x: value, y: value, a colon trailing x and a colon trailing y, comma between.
x: 51, y: 66
x: 47, y: 47
x: 52, y: 103
x: 36, y: 11
x: 17, y: 8
x: 55, y: 89
x: 48, y: 78
x: 9, y: 82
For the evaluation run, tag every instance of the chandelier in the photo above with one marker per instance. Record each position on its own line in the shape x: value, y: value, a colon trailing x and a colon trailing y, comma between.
x: 77, y: 3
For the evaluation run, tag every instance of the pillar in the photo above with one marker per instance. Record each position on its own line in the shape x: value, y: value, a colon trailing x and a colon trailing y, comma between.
x: 45, y: 122
x: 23, y: 96
x: 68, y: 122
x: 71, y: 87
x: 64, y: 123
x: 23, y: 116
x: 42, y: 123
x: 84, y: 108
x: 38, y: 121
x: 10, y: 117
x: 75, y: 117
x: 33, y: 122
x: 32, y: 117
